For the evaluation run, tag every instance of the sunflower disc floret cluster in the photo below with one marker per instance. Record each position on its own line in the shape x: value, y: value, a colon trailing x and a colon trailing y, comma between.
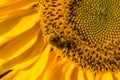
x: 86, y: 31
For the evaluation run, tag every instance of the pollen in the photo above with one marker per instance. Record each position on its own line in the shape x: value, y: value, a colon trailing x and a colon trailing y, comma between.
x: 86, y: 31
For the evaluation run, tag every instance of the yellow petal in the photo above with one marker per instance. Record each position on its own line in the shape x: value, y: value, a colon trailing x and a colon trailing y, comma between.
x: 10, y: 75
x: 52, y: 59
x: 55, y: 72
x: 4, y: 40
x: 98, y: 76
x: 26, y: 58
x: 18, y: 42
x: 74, y: 75
x: 69, y: 72
x: 8, y: 7
x: 32, y: 72
x: 107, y: 76
x: 40, y: 65
x: 80, y: 75
x: 4, y: 2
x: 89, y: 75
x: 24, y: 48
x: 117, y: 75
x: 19, y: 23
x: 19, y: 13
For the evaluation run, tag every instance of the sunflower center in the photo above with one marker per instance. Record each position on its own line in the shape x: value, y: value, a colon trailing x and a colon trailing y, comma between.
x: 86, y: 31
x: 97, y: 19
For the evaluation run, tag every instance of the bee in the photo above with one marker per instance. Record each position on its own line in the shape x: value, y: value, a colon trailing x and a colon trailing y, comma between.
x: 58, y: 42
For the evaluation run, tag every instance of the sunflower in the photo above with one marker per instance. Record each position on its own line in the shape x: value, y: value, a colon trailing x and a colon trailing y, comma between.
x: 59, y: 40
